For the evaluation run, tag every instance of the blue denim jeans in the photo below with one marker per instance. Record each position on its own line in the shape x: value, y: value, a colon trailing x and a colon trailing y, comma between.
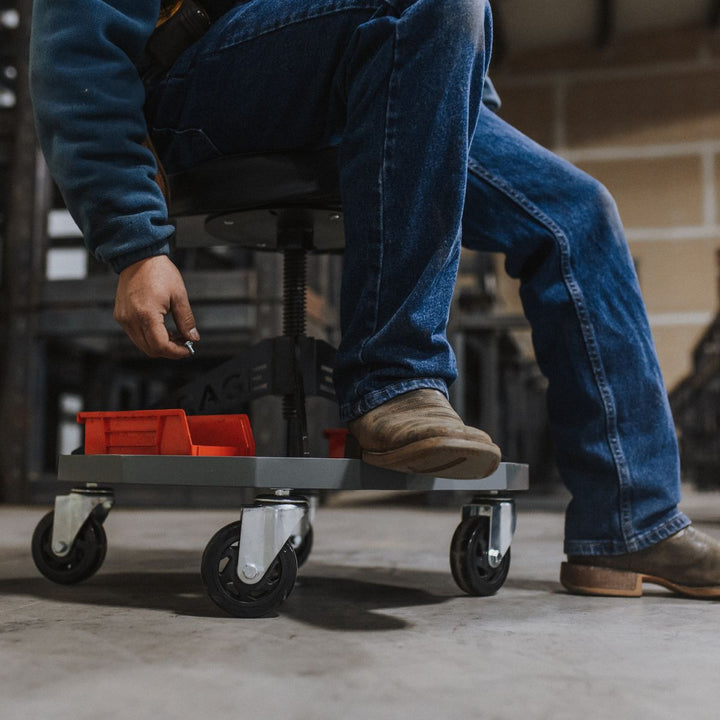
x: 424, y: 166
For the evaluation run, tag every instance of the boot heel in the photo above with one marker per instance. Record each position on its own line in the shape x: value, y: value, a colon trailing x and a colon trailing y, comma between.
x: 591, y: 580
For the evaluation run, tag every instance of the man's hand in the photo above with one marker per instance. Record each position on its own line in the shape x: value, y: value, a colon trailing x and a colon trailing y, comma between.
x: 147, y: 291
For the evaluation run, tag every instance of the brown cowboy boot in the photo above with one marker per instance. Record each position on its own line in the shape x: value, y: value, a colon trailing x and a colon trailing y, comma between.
x: 688, y: 563
x: 418, y: 432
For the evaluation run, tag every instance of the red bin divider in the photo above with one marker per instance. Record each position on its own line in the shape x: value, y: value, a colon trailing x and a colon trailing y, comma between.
x: 336, y: 438
x: 166, y: 432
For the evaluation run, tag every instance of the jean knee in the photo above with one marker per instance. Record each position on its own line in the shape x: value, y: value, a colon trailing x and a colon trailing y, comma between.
x: 580, y: 221
x: 451, y: 18
x: 462, y: 18
x: 600, y: 211
x: 586, y: 208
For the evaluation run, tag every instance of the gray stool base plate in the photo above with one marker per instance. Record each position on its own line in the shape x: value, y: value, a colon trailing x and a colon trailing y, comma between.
x: 271, y: 472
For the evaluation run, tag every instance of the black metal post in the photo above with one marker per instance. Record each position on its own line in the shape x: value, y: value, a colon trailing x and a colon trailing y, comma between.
x: 713, y: 14
x: 294, y: 323
x: 605, y: 22
x: 22, y: 266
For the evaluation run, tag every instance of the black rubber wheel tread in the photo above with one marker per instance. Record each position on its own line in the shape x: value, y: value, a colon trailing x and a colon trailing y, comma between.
x: 84, y: 559
x: 303, y: 547
x: 226, y: 589
x: 468, y: 559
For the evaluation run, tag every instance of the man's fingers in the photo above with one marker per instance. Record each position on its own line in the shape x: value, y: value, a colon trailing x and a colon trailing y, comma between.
x: 157, y: 342
x: 137, y: 337
x: 183, y: 317
x: 147, y: 291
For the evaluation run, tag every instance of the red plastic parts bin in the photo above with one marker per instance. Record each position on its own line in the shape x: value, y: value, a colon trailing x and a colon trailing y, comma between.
x: 336, y: 441
x: 166, y: 432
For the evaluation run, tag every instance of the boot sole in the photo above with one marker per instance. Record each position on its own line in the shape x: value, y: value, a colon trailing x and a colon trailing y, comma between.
x: 440, y: 457
x: 592, y: 580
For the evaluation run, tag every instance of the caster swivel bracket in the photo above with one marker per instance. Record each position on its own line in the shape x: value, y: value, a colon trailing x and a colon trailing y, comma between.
x: 502, y: 521
x: 73, y: 510
x: 266, y: 527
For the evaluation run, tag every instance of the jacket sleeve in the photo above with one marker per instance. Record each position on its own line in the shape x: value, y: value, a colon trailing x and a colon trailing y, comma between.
x: 88, y: 101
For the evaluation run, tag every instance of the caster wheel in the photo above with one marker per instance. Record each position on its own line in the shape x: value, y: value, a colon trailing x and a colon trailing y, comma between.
x: 229, y: 592
x: 302, y: 545
x: 84, y: 559
x: 469, y: 560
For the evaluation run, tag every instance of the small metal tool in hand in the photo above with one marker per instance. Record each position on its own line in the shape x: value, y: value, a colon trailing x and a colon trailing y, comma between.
x: 189, y: 346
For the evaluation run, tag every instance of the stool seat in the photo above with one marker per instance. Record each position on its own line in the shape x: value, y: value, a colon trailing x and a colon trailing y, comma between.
x: 248, y: 182
x: 265, y: 201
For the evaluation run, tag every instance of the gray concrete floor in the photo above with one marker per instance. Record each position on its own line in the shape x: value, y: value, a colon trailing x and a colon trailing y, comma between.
x: 375, y: 629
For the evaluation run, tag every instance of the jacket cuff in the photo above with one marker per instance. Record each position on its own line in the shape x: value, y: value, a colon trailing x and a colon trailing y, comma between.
x: 119, y: 263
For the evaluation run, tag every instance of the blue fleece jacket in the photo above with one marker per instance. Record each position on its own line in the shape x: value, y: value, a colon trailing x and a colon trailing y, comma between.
x: 88, y: 101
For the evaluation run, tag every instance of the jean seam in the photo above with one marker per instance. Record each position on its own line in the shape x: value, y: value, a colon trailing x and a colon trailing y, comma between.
x: 589, y: 339
x: 665, y: 529
x: 388, y: 138
x: 285, y: 23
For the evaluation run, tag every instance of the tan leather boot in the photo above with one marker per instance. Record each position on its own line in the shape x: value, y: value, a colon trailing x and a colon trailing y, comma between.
x: 688, y: 563
x: 418, y: 432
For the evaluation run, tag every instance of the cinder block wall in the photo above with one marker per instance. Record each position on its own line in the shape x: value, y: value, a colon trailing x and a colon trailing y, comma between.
x: 644, y: 118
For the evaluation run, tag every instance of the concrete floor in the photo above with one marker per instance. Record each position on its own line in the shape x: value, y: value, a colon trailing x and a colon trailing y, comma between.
x: 375, y: 629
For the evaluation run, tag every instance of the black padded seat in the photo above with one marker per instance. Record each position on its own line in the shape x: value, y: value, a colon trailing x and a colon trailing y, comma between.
x: 265, y: 201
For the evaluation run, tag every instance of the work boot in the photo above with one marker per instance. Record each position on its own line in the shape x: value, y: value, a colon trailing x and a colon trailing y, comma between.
x: 688, y: 563
x: 418, y: 432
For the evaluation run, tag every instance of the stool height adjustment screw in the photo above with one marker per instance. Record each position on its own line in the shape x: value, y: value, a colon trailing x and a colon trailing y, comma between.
x: 294, y: 323
x: 294, y: 283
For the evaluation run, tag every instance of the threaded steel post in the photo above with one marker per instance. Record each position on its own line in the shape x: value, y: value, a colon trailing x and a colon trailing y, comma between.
x: 294, y: 284
x: 294, y: 323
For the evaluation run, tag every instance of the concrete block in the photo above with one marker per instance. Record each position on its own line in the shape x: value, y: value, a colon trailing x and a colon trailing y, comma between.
x: 531, y: 109
x: 654, y: 192
x: 677, y: 277
x: 674, y: 345
x: 653, y: 108
x: 681, y: 45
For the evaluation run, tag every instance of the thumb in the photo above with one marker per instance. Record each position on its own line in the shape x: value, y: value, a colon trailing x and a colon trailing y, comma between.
x: 183, y: 317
